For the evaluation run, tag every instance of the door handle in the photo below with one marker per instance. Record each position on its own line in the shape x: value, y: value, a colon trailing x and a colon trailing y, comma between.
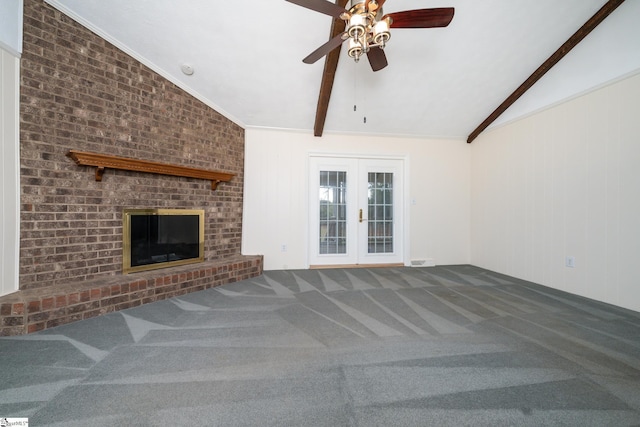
x: 360, y: 217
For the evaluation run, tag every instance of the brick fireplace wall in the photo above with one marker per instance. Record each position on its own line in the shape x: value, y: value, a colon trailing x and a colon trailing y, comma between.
x: 78, y: 92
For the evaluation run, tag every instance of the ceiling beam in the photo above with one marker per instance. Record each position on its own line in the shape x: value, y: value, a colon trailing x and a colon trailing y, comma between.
x: 328, y: 75
x: 573, y: 41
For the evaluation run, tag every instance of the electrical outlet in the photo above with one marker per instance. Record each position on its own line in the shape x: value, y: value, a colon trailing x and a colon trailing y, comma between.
x: 283, y: 248
x: 570, y: 262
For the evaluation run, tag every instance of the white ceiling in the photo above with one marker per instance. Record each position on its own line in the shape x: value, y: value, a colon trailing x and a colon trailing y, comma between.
x: 440, y: 82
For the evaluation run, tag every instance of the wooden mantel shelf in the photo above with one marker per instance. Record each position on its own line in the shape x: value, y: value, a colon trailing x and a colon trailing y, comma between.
x: 103, y: 161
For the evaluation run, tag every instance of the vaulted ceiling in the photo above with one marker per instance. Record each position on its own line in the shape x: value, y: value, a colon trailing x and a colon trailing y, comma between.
x: 440, y: 82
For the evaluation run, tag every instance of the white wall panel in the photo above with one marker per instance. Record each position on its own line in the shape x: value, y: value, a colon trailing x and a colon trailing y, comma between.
x: 564, y: 182
x: 9, y: 170
x: 11, y: 26
x: 276, y: 199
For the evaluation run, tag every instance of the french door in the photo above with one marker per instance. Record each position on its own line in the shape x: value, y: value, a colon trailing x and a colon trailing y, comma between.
x: 356, y: 211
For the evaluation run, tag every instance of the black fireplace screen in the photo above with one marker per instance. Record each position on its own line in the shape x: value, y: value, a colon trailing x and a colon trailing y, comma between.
x: 157, y: 238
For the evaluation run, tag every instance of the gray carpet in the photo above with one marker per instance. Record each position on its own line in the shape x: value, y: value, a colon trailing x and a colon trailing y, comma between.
x: 436, y: 346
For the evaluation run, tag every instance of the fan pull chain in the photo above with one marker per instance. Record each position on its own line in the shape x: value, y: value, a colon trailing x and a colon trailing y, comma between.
x: 355, y: 91
x: 355, y: 96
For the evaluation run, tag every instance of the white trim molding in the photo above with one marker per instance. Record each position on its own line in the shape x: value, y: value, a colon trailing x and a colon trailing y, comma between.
x: 9, y: 171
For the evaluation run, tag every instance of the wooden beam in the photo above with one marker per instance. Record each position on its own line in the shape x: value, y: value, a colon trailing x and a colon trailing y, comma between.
x: 328, y: 75
x: 572, y: 42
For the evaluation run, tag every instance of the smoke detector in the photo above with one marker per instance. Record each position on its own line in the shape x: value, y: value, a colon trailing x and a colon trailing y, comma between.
x: 187, y: 69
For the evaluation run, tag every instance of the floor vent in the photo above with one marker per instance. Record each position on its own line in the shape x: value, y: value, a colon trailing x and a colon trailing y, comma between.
x: 422, y: 263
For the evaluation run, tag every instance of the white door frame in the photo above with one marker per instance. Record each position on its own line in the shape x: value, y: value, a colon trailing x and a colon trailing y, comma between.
x: 404, y: 198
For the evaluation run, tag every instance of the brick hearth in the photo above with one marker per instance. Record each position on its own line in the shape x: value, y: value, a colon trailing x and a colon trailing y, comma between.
x: 41, y: 308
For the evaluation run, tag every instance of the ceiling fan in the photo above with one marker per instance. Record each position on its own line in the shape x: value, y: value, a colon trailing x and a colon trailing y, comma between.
x: 368, y: 30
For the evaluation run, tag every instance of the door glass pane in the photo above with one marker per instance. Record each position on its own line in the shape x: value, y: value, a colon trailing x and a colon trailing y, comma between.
x: 380, y: 208
x: 333, y: 213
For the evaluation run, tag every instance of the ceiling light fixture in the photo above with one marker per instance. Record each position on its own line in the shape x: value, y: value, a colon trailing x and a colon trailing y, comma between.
x: 363, y: 30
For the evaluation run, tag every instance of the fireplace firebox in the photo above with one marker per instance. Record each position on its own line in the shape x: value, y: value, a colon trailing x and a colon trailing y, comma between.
x: 159, y: 238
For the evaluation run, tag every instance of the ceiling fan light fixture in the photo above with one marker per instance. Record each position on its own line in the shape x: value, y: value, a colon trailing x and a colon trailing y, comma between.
x: 364, y: 31
x: 381, y: 34
x: 357, y: 25
x: 355, y: 49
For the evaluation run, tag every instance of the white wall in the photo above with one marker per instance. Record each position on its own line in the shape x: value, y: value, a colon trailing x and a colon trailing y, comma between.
x: 9, y: 171
x: 276, y: 199
x: 564, y: 182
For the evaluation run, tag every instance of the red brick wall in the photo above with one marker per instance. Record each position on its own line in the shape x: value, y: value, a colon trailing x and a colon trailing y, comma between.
x: 79, y: 92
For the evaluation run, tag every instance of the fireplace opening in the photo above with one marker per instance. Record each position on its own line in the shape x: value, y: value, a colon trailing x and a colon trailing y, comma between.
x: 159, y: 238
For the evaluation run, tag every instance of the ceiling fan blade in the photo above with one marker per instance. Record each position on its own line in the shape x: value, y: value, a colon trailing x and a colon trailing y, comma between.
x: 377, y: 58
x: 321, y: 6
x: 422, y: 18
x: 324, y: 49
